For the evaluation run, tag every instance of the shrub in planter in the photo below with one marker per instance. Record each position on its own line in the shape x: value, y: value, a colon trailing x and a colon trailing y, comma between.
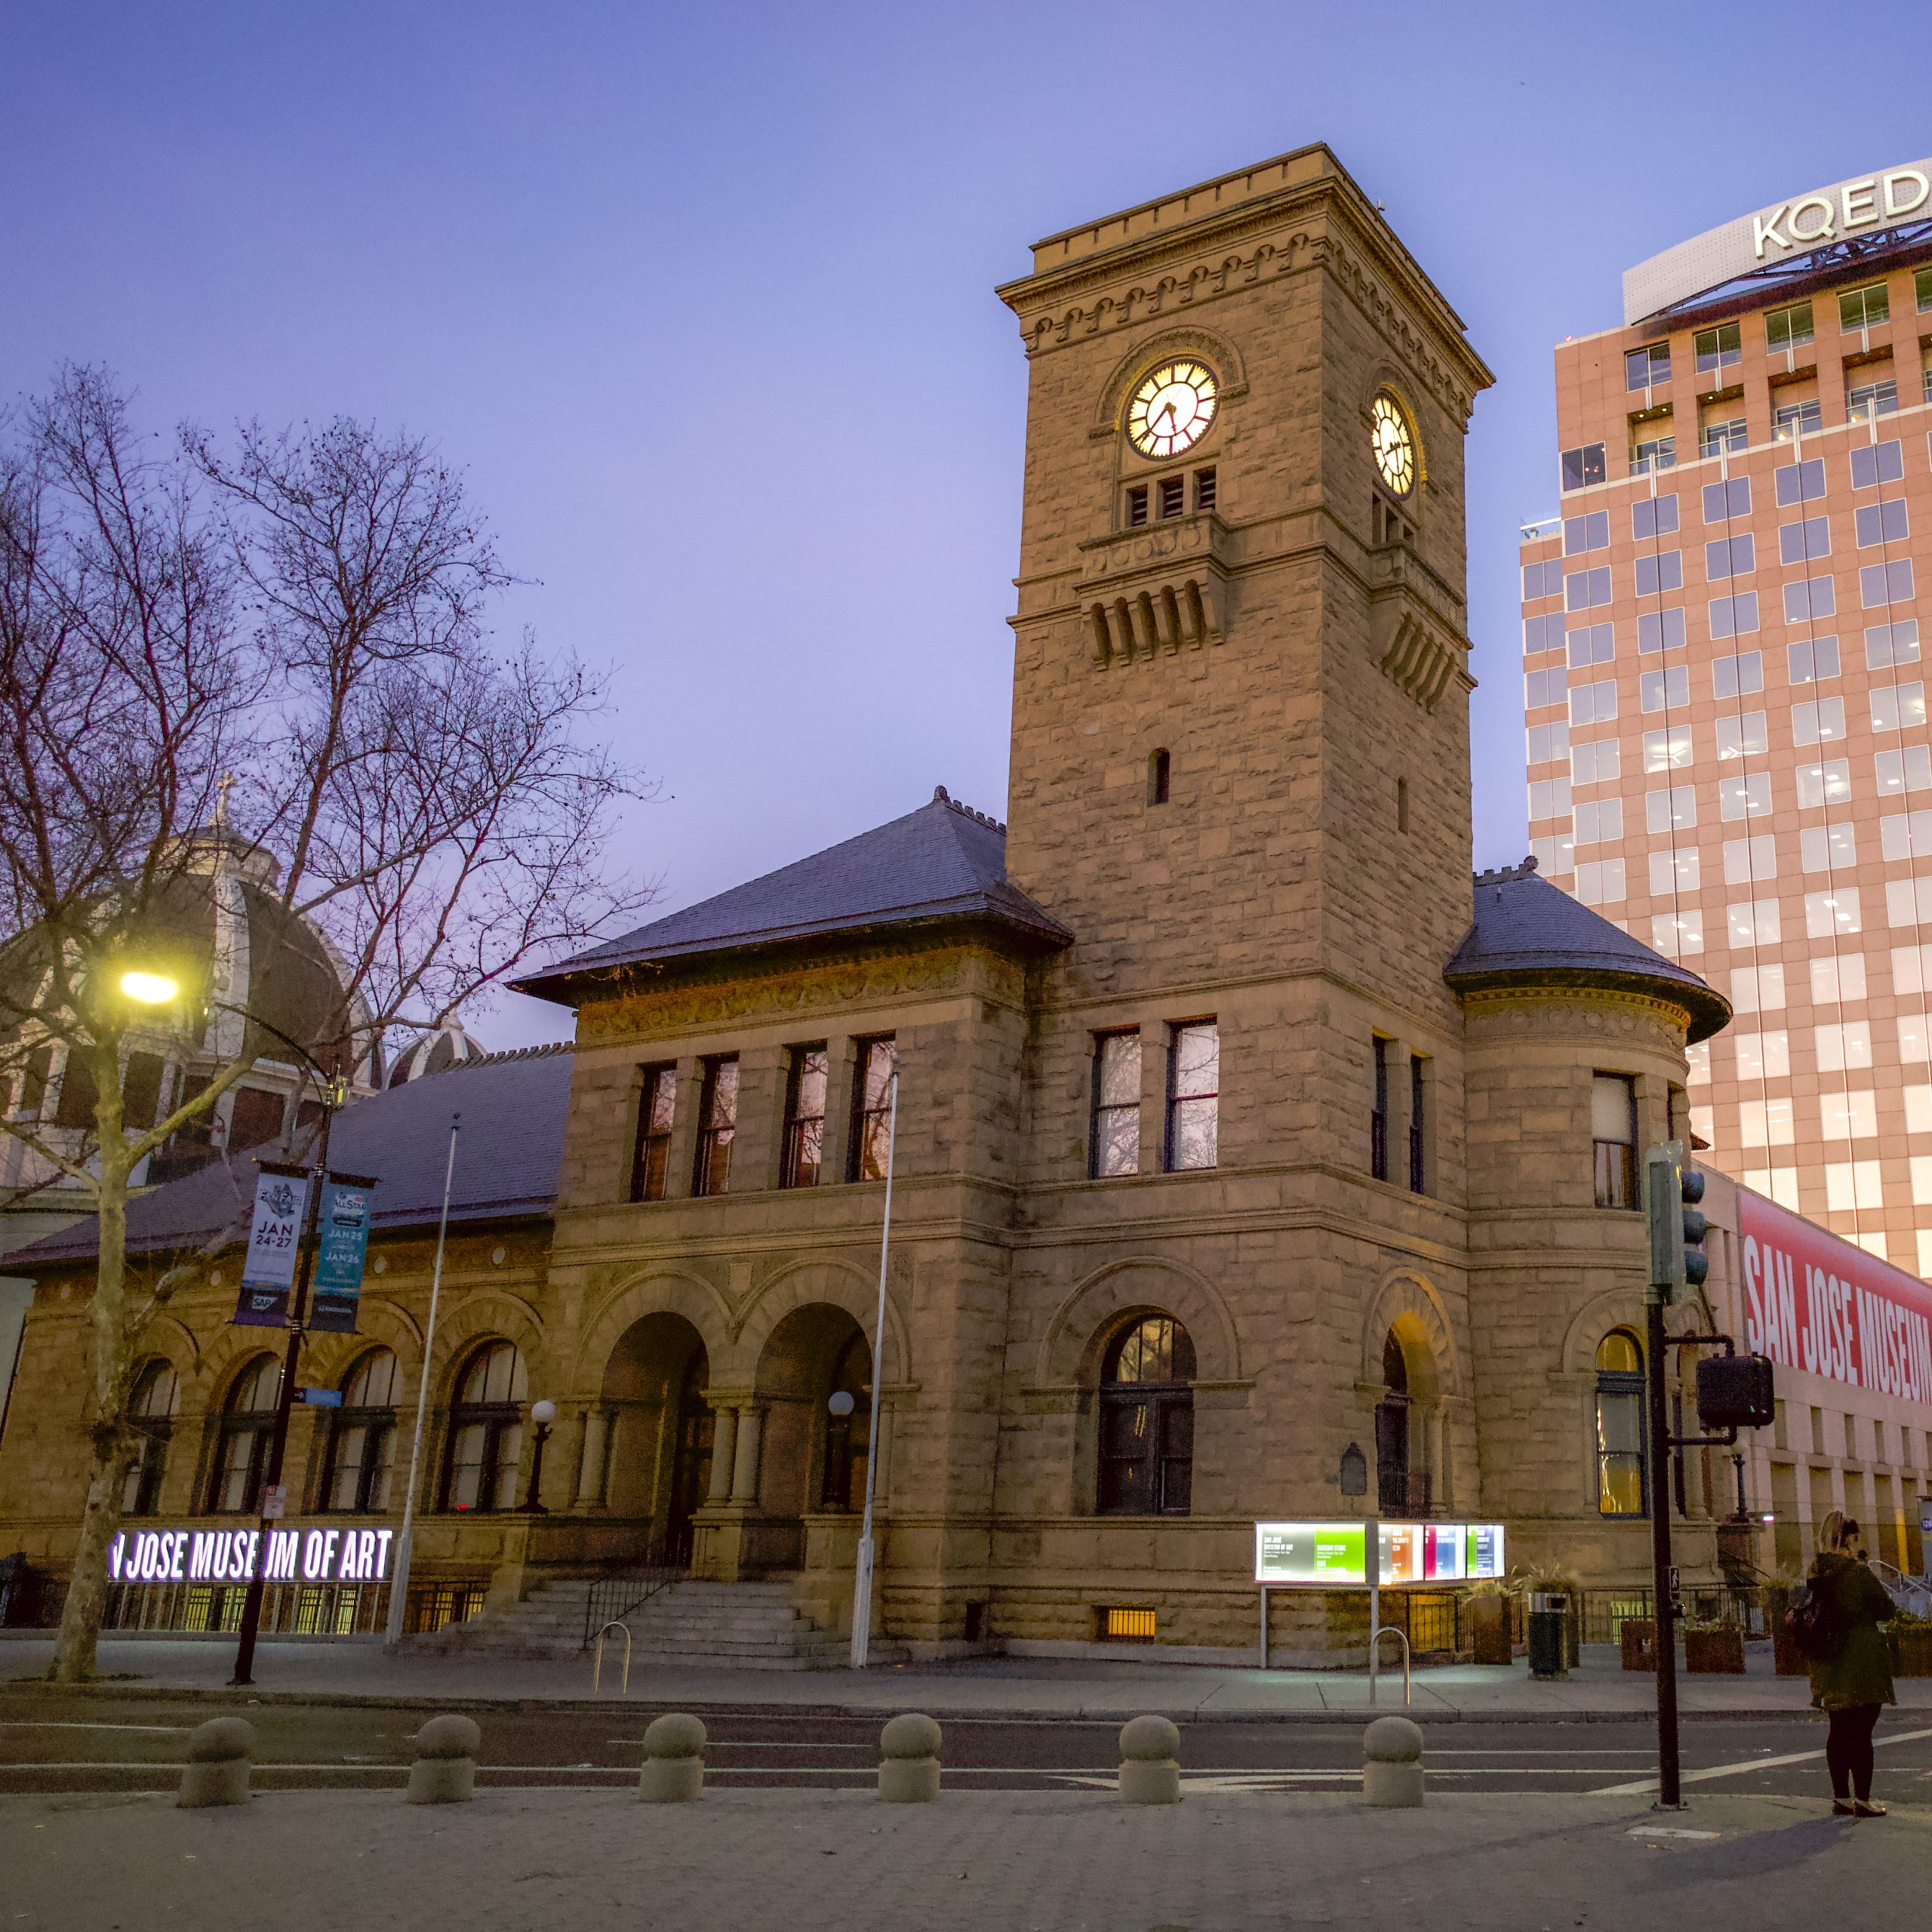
x: 1639, y: 1636
x: 1910, y: 1640
x: 1714, y: 1649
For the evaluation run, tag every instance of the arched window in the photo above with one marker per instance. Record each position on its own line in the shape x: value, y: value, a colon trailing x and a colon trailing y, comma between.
x: 848, y: 1438
x: 1621, y: 1484
x: 242, y: 1447
x: 1159, y: 767
x: 362, y: 1444
x: 486, y: 1430
x: 150, y: 1412
x: 1395, y: 1482
x: 1146, y: 1460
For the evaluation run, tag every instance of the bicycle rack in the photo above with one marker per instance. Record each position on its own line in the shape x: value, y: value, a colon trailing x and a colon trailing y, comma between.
x: 1390, y: 1630
x: 597, y: 1669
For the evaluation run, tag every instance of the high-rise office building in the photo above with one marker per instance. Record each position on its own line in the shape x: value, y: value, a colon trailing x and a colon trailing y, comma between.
x: 1725, y: 700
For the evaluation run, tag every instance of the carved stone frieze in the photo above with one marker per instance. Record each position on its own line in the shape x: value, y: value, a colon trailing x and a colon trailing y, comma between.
x: 855, y: 979
x: 1569, y: 1013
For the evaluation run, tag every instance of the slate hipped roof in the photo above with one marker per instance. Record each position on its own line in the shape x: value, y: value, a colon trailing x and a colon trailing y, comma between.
x: 944, y: 861
x: 509, y: 1147
x: 1528, y: 931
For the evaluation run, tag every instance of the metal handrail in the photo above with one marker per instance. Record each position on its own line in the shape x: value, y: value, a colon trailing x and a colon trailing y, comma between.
x: 1910, y: 1594
x: 597, y: 1668
x: 618, y: 1594
x: 1392, y: 1630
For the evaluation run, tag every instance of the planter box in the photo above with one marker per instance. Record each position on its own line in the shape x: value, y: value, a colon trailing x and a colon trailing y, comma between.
x: 1489, y: 1626
x: 1639, y: 1637
x: 1912, y: 1651
x: 1790, y: 1659
x: 1714, y: 1652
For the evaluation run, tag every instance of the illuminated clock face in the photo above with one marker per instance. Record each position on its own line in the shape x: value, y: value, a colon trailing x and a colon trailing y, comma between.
x: 1172, y: 408
x: 1394, y: 446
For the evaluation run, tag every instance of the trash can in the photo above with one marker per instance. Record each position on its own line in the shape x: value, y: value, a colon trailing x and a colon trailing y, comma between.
x: 1549, y: 1634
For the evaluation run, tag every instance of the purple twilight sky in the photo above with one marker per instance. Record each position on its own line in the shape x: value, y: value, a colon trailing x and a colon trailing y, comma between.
x: 701, y: 297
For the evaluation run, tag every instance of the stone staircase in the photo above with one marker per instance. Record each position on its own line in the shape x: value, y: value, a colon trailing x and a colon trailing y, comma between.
x: 695, y: 1625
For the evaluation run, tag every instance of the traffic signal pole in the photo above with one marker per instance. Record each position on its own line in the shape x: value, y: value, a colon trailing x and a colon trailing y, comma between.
x: 1670, y: 1786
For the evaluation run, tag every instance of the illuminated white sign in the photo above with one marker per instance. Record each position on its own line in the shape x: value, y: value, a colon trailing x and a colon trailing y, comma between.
x: 237, y: 1556
x: 1779, y: 233
x: 1334, y: 1556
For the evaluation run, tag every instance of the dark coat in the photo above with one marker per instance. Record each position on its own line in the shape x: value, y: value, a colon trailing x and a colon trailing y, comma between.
x: 1861, y: 1673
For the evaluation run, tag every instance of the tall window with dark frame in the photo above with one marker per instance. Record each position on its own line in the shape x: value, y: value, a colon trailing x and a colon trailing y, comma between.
x: 804, y: 1151
x: 1194, y: 1096
x: 871, y: 1109
x: 717, y: 1124
x: 1397, y: 1488
x: 1146, y: 1420
x: 362, y: 1465
x: 1116, y: 1136
x: 1418, y: 1125
x: 486, y: 1431
x: 1137, y: 506
x: 1173, y: 495
x: 1613, y: 1136
x: 657, y: 1103
x: 1378, y: 1117
x: 1622, y: 1481
x: 151, y: 1415
x: 241, y: 1442
x: 1160, y: 769
x: 1203, y: 490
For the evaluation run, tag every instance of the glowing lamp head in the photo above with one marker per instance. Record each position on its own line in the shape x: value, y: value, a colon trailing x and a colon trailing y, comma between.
x: 543, y: 1412
x: 840, y: 1402
x: 150, y: 989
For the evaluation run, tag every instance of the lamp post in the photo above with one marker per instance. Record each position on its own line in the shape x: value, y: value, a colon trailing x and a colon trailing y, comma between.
x: 543, y: 1414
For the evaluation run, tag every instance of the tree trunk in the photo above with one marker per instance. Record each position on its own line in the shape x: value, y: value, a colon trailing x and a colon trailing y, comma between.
x: 113, y: 1351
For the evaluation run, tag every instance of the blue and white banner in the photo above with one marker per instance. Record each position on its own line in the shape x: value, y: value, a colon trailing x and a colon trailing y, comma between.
x: 281, y: 1197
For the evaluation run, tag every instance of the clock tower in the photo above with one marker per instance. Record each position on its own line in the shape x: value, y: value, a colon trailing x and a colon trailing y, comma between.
x: 1240, y: 735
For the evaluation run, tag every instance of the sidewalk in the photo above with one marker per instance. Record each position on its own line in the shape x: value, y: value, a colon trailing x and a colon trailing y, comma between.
x: 759, y: 1861
x: 358, y: 1673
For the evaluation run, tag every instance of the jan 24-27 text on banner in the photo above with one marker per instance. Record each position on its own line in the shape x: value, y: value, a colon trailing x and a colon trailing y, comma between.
x: 282, y: 1195
x: 1814, y: 1302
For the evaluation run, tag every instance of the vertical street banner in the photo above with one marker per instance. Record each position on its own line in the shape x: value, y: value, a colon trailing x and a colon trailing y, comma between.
x: 342, y: 1243
x: 281, y: 1196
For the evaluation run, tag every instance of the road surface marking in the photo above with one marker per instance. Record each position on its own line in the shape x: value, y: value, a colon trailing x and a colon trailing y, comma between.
x: 68, y: 1724
x: 1704, y: 1776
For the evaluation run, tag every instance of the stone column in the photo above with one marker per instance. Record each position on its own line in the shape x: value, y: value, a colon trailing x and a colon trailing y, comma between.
x: 756, y: 1146
x: 1153, y: 1097
x: 593, y: 1453
x: 744, y: 1466
x: 724, y: 1441
x: 683, y: 1152
x: 841, y: 1060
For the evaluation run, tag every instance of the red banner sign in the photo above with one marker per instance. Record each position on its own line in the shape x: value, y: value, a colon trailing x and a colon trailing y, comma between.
x: 1815, y: 1303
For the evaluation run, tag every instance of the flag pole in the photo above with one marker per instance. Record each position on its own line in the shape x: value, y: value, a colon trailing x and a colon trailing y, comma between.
x: 399, y: 1581
x: 861, y: 1584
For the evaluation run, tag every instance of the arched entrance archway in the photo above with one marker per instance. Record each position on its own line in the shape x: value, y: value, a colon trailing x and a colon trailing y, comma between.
x: 658, y: 1454
x: 813, y: 1462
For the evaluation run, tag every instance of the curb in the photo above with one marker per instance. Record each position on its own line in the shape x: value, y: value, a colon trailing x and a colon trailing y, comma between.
x: 577, y: 1707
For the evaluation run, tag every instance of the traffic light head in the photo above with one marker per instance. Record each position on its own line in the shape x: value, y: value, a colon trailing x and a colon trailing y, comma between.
x: 1677, y: 1225
x: 1736, y: 1391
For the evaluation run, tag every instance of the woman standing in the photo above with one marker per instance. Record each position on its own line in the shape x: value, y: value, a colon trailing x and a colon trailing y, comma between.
x: 1855, y: 1681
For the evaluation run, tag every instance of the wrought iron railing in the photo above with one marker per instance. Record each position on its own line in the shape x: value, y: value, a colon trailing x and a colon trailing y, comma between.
x: 618, y: 1593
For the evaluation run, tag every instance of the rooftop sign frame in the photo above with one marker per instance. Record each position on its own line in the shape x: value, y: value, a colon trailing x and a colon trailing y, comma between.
x: 1784, y: 234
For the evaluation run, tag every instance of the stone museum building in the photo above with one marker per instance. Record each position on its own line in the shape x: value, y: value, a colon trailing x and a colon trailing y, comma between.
x: 1230, y: 1127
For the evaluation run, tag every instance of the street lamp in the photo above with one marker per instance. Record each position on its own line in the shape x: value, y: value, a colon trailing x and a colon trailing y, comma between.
x: 841, y: 1403
x: 543, y: 1414
x: 150, y: 989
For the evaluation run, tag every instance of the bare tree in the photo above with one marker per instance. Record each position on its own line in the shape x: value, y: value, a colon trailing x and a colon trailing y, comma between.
x: 208, y: 655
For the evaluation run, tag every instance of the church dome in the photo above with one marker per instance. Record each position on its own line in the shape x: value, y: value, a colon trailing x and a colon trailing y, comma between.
x: 448, y: 1045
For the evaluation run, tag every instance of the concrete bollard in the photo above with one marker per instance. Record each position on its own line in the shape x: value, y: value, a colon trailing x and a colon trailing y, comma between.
x: 216, y: 1772
x: 673, y: 1761
x: 908, y: 1765
x: 1392, y: 1763
x: 445, y: 1772
x: 1149, y: 1762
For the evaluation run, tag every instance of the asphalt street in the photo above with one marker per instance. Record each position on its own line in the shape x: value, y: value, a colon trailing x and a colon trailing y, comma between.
x: 53, y: 1740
